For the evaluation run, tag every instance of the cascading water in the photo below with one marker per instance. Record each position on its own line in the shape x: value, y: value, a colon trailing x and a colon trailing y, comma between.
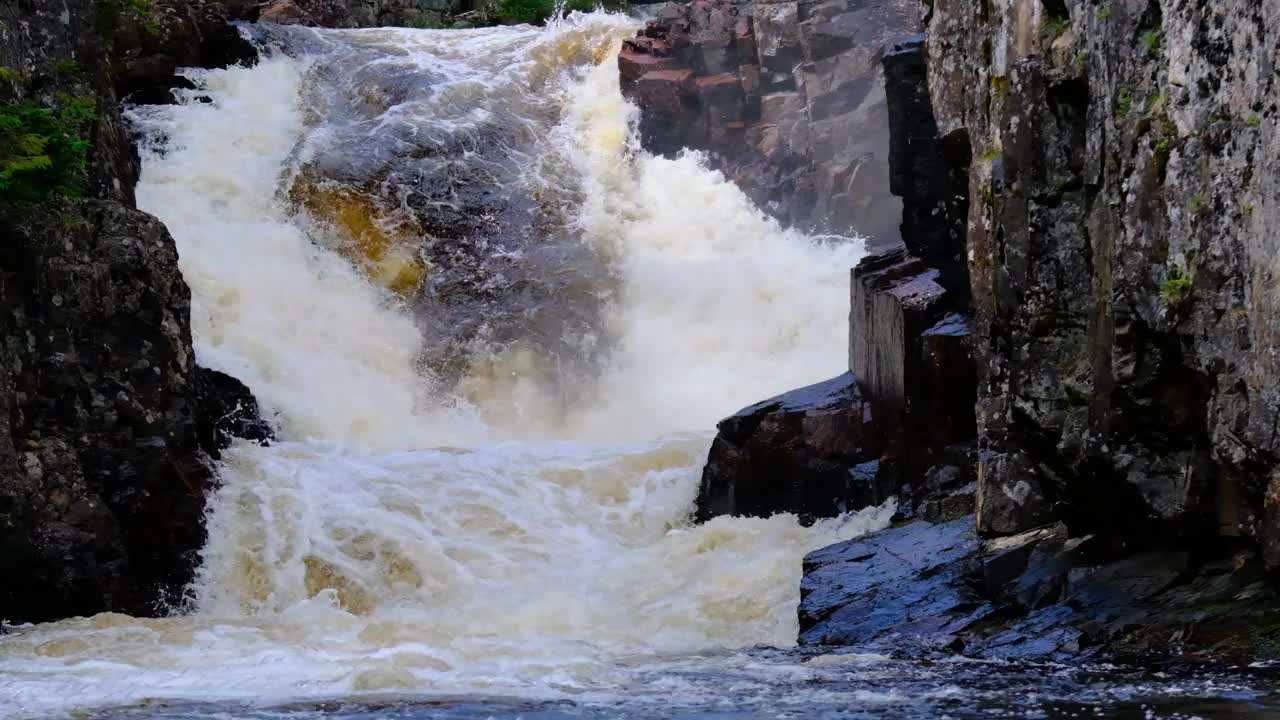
x: 494, y: 336
x: 495, y: 531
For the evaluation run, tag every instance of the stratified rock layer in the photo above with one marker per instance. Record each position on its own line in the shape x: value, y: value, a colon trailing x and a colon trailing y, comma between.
x: 787, y: 98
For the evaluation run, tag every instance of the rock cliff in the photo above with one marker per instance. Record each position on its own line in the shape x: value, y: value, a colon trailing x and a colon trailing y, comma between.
x: 107, y: 425
x: 786, y: 98
x: 1078, y: 343
x: 1124, y: 269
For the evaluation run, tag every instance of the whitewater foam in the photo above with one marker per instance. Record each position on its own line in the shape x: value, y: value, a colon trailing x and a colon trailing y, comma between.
x: 499, y: 536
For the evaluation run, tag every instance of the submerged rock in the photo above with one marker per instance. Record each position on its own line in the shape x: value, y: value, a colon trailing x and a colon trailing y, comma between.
x: 811, y: 451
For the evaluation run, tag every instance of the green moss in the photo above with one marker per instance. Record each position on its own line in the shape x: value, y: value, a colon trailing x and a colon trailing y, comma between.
x: 1254, y: 121
x: 1104, y: 13
x: 993, y: 154
x: 425, y: 22
x: 1000, y: 86
x: 1248, y: 209
x: 1176, y: 290
x: 1080, y: 61
x: 67, y: 68
x: 1124, y: 103
x: 1198, y: 206
x: 1056, y: 26
x: 43, y: 151
x: 1153, y: 40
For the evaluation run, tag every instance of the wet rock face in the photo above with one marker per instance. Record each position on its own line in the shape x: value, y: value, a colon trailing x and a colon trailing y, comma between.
x: 148, y: 48
x: 104, y: 463
x: 786, y: 98
x: 910, y: 345
x: 812, y: 451
x: 911, y: 355
x: 1037, y: 595
x: 1123, y: 259
x: 107, y: 425
x: 445, y: 217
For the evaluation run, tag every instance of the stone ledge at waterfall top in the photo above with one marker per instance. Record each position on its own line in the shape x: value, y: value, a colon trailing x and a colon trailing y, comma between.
x: 108, y: 425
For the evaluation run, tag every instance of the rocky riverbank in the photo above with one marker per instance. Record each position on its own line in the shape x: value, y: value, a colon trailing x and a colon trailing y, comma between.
x: 109, y: 426
x: 1068, y: 373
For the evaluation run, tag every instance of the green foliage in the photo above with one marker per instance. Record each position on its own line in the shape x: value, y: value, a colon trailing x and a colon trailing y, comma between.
x: 538, y: 11
x: 1153, y: 40
x: 1124, y: 103
x: 1177, y: 288
x: 1104, y: 13
x: 113, y: 14
x: 42, y: 149
x: 1254, y: 121
x: 8, y: 74
x: 1081, y: 61
x: 1056, y: 26
x: 67, y: 68
x: 426, y: 22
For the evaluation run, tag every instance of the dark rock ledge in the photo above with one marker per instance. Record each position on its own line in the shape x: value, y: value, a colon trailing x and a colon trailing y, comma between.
x: 1068, y: 373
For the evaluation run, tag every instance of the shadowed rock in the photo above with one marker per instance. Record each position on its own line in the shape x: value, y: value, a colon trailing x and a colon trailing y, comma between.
x: 804, y: 452
x: 1036, y: 595
x: 107, y: 424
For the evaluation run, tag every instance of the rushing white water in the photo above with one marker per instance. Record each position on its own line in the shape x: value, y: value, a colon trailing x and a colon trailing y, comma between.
x: 400, y: 537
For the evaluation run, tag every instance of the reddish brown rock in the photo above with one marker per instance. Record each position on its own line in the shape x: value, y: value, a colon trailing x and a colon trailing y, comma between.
x: 780, y: 164
x: 634, y: 64
x: 668, y: 91
x: 722, y: 98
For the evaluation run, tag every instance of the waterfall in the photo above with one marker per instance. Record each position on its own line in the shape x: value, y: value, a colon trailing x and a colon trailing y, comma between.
x: 490, y: 444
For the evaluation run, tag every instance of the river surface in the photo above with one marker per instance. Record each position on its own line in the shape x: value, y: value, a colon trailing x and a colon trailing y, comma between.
x: 490, y: 442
